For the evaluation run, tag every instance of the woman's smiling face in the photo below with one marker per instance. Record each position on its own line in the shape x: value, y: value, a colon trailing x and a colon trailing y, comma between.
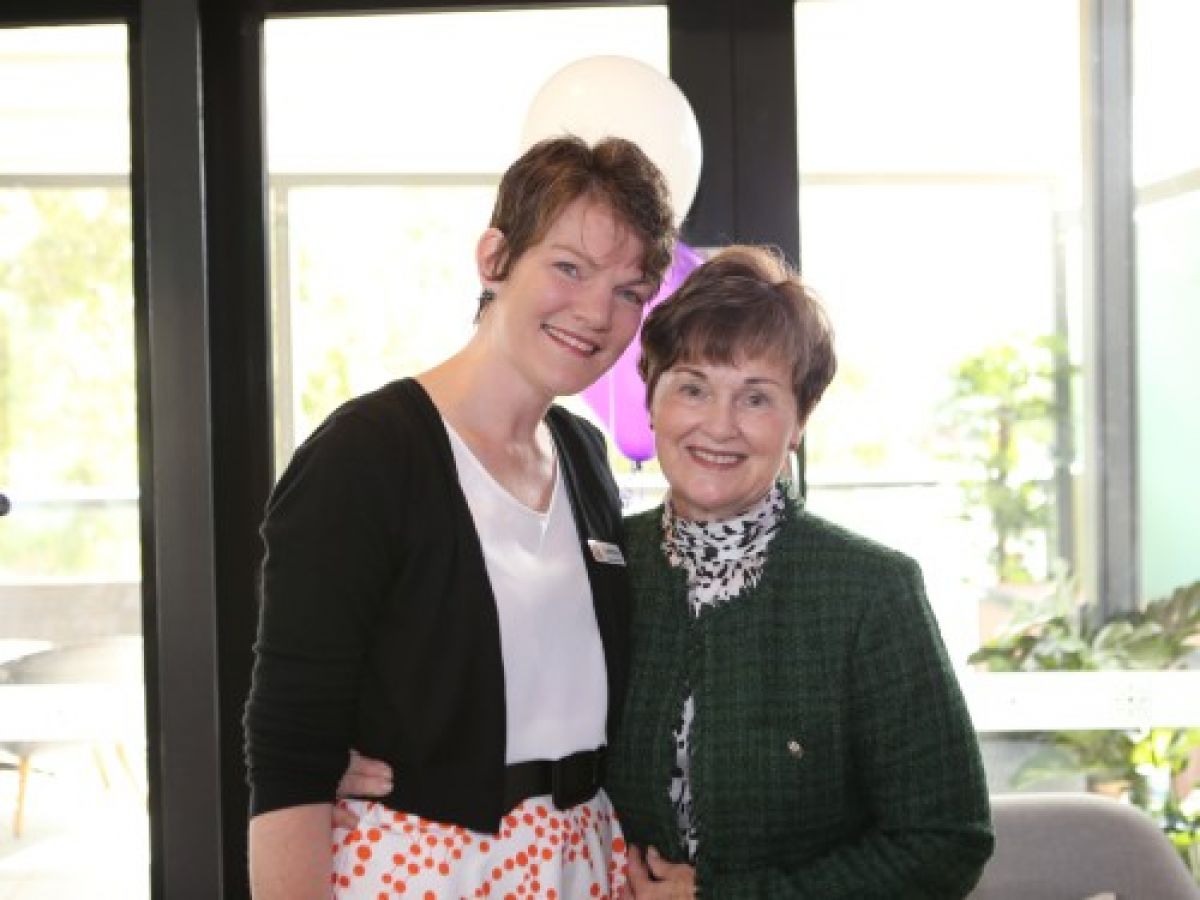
x: 723, y: 432
x: 571, y: 303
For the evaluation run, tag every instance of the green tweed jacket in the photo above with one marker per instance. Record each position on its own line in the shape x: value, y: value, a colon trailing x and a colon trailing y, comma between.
x: 832, y: 752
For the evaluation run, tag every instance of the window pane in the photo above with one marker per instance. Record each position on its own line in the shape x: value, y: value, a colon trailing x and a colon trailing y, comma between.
x: 941, y: 220
x: 72, y: 729
x: 383, y: 164
x: 938, y: 219
x: 1166, y: 141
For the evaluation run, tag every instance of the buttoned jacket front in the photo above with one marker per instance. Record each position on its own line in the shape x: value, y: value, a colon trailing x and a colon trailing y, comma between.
x: 832, y: 755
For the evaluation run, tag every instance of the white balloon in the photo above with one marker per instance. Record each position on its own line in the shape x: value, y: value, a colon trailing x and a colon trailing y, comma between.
x: 603, y: 96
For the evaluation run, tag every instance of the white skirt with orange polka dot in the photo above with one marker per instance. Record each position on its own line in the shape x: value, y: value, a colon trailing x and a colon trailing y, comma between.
x: 541, y: 853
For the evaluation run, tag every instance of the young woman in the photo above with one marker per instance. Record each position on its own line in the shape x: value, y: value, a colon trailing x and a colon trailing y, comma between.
x: 444, y: 587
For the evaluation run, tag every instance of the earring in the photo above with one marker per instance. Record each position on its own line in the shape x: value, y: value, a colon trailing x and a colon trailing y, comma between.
x: 486, y: 296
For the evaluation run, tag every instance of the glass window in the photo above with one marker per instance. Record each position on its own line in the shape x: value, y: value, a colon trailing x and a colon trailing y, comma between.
x: 941, y: 209
x: 383, y: 163
x: 1166, y: 146
x: 939, y: 218
x: 72, y: 727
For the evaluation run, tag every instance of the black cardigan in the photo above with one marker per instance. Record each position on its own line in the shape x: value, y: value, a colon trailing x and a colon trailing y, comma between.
x: 378, y: 629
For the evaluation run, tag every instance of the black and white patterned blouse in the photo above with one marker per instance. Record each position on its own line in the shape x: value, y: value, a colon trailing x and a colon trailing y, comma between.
x: 721, y: 560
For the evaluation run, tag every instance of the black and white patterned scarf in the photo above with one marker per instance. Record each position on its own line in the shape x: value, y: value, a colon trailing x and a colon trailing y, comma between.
x: 722, y: 559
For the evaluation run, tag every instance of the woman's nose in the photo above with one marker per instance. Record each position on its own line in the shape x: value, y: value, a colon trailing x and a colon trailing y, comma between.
x: 720, y: 419
x: 594, y: 306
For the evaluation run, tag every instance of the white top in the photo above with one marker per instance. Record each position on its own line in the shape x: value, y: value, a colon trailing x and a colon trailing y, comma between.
x: 555, y: 683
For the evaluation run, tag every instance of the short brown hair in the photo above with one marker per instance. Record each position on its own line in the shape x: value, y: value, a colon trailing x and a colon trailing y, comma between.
x: 745, y: 302
x: 555, y: 172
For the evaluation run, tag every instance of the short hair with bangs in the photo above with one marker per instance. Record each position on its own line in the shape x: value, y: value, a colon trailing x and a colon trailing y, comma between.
x: 556, y: 171
x: 745, y: 302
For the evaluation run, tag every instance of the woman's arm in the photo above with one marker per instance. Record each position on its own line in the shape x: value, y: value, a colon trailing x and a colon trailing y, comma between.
x: 326, y: 569
x: 290, y: 853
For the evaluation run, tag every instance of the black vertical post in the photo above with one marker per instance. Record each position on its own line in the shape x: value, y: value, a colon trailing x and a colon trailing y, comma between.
x: 240, y: 376
x: 175, y: 412
x: 735, y: 62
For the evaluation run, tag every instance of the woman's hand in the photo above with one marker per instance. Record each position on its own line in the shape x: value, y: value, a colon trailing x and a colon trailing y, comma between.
x: 653, y: 878
x: 364, y: 777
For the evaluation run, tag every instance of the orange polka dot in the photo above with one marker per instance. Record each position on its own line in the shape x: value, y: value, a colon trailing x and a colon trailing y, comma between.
x: 374, y: 835
x: 363, y: 852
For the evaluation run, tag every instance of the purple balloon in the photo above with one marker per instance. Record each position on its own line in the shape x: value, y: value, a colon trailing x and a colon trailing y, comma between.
x: 619, y: 397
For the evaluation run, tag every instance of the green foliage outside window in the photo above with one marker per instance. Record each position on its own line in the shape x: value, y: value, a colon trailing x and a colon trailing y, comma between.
x: 67, y: 401
x: 1000, y: 420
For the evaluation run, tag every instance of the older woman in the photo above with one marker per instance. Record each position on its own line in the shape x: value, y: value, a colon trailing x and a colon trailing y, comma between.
x: 792, y: 727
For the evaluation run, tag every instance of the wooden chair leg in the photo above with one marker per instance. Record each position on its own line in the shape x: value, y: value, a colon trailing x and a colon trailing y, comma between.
x: 23, y: 767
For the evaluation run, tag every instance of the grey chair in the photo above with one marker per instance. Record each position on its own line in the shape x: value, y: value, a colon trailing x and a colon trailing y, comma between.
x: 106, y: 660
x: 1078, y: 846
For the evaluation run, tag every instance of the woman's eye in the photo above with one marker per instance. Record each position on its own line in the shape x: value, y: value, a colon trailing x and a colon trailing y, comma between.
x: 567, y: 268
x: 690, y: 389
x: 758, y: 400
x: 629, y: 295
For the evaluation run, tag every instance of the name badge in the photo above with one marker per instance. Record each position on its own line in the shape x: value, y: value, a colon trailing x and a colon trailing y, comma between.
x: 604, y: 552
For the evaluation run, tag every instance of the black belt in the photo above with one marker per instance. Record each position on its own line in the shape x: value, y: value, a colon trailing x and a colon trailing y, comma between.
x: 570, y: 781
